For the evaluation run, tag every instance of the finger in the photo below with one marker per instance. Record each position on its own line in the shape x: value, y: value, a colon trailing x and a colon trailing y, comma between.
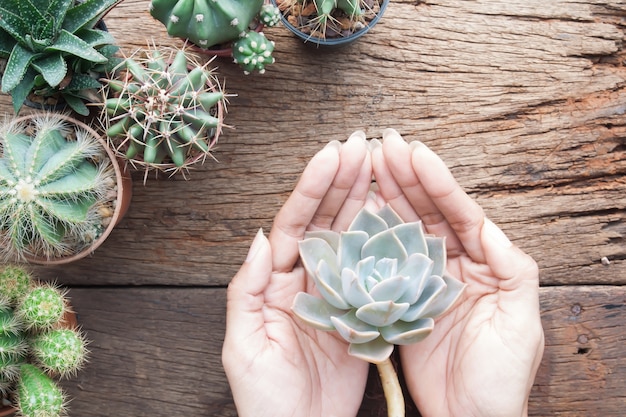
x: 357, y: 196
x: 245, y: 299
x: 388, y: 187
x: 351, y: 163
x: 296, y: 214
x: 454, y: 212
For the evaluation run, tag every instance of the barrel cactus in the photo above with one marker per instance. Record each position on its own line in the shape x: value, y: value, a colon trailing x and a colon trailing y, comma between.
x: 382, y: 282
x: 165, y: 110
x: 54, y: 47
x: 55, y: 185
x: 37, y: 344
x: 209, y: 23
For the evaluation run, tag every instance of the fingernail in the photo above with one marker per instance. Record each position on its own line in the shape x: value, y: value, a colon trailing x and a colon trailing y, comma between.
x: 374, y: 144
x: 256, y: 245
x: 496, y: 234
x: 333, y: 144
x: 390, y: 132
x: 358, y: 134
x: 416, y: 144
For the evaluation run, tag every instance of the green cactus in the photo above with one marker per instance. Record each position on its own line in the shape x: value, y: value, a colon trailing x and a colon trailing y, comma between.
x: 167, y: 113
x: 59, y: 351
x: 53, y: 44
x: 35, y: 343
x: 253, y: 52
x: 53, y: 178
x: 37, y: 394
x: 208, y: 23
x: 42, y: 307
x: 14, y: 283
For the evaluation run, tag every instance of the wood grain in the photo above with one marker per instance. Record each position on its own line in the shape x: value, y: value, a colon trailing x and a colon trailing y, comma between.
x: 525, y: 100
x: 157, y: 352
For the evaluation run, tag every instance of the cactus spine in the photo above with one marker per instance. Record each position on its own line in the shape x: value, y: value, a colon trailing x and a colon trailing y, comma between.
x: 35, y: 345
x: 54, y: 177
x: 208, y: 23
x: 166, y: 112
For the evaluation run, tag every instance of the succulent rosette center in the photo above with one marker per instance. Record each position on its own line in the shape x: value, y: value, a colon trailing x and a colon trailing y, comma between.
x: 382, y: 282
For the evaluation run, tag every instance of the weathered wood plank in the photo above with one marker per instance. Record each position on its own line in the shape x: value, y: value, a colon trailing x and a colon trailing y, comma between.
x: 156, y: 352
x: 523, y: 99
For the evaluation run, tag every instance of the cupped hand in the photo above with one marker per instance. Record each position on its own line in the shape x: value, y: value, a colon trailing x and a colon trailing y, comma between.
x: 276, y: 365
x: 482, y: 357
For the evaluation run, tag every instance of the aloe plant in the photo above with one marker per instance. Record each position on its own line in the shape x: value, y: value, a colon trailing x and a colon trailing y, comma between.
x: 35, y: 344
x: 54, y: 47
x: 382, y: 282
x: 165, y: 111
x: 55, y: 180
x: 208, y: 23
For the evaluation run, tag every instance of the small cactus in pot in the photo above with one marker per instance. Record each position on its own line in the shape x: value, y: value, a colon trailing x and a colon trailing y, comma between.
x: 39, y: 342
x: 209, y: 23
x: 164, y: 111
x: 61, y: 189
x: 382, y: 283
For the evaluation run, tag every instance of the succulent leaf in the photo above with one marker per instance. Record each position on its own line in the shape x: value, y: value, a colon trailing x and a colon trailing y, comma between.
x: 387, y: 292
x: 16, y: 67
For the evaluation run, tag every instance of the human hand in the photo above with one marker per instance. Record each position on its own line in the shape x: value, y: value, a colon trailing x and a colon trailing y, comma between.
x: 276, y: 365
x: 482, y: 357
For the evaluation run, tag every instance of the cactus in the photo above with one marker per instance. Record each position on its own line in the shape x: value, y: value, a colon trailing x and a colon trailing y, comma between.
x: 37, y: 394
x: 253, y: 52
x: 208, y: 23
x: 50, y: 44
x: 166, y: 112
x: 14, y: 283
x: 54, y: 180
x: 35, y: 344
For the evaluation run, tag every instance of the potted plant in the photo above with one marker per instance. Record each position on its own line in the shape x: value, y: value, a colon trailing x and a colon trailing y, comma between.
x: 225, y: 27
x: 61, y: 189
x: 330, y: 22
x: 382, y: 282
x: 164, y: 110
x: 54, y: 50
x: 40, y: 341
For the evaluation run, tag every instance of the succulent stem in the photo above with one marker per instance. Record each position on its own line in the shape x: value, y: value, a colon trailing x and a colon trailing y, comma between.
x: 391, y: 388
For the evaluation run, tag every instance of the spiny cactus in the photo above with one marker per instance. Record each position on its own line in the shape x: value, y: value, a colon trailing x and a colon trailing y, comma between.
x: 37, y: 394
x: 208, y: 23
x: 36, y: 344
x: 165, y: 111
x: 54, y: 178
x: 253, y: 52
x: 53, y: 46
x: 382, y: 283
x: 14, y: 283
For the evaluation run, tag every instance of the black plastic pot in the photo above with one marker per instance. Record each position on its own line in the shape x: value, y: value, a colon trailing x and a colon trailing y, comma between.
x: 335, y: 41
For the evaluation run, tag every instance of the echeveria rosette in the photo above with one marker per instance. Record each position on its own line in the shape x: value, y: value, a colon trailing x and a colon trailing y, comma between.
x: 382, y: 282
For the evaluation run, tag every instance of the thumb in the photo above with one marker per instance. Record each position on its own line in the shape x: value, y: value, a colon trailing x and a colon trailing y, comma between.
x: 245, y: 297
x: 508, y: 262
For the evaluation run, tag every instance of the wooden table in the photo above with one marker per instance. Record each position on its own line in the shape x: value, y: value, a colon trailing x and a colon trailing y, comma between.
x: 524, y: 99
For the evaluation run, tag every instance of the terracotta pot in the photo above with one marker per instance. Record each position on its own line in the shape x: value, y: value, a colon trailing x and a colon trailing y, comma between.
x: 124, y: 194
x: 335, y: 41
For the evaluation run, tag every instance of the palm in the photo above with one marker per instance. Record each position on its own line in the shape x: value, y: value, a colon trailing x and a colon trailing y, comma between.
x: 480, y: 356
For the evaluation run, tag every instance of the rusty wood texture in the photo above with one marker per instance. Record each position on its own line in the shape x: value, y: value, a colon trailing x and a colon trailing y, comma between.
x: 156, y: 352
x: 525, y: 100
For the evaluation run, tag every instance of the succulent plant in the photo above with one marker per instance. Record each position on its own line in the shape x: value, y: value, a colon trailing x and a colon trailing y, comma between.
x: 55, y: 184
x: 14, y: 283
x: 382, y: 282
x: 33, y: 350
x: 165, y: 111
x: 54, y: 46
x: 327, y: 19
x: 253, y: 52
x: 208, y: 23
